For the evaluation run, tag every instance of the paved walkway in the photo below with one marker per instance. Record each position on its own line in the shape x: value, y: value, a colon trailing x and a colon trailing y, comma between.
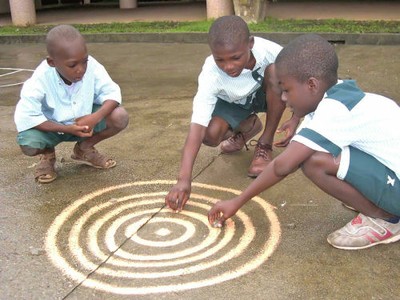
x: 58, y: 241
x: 379, y: 10
x: 105, y: 234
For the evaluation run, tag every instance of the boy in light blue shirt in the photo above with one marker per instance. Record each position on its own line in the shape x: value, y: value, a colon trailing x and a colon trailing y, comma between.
x: 70, y: 97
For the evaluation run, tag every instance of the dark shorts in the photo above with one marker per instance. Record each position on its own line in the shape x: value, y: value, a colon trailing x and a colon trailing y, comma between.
x: 37, y: 139
x: 374, y: 180
x: 233, y: 113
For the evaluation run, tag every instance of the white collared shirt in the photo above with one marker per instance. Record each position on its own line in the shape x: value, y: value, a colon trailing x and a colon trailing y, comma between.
x: 213, y: 83
x: 347, y: 116
x: 45, y: 96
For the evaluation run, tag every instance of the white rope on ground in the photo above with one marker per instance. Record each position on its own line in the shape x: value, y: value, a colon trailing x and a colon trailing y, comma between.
x: 13, y: 71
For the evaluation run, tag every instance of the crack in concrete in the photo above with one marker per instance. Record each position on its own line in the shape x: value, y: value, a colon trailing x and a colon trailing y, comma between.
x: 128, y: 238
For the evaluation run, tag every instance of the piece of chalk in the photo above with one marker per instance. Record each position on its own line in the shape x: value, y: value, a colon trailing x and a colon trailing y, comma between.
x: 217, y: 224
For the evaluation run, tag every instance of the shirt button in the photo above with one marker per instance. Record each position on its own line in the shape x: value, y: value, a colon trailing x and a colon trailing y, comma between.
x: 74, y: 102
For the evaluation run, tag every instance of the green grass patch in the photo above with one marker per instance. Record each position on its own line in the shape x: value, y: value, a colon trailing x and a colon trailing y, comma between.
x: 269, y: 25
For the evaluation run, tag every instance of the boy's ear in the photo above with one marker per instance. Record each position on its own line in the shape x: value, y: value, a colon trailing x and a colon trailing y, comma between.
x: 50, y: 61
x: 251, y: 42
x: 313, y: 84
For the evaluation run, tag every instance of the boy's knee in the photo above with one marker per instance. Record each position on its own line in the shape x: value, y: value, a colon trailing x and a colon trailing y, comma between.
x: 119, y: 118
x: 216, y: 132
x: 211, y: 139
x: 307, y: 167
x: 316, y: 164
x: 30, y: 151
x: 208, y: 141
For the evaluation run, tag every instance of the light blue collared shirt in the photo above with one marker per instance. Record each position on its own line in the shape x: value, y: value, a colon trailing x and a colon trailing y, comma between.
x: 45, y: 96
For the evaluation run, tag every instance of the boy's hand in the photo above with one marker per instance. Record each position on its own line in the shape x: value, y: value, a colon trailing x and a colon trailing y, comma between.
x: 178, y: 195
x: 81, y: 131
x: 289, y: 128
x: 89, y: 120
x: 222, y: 211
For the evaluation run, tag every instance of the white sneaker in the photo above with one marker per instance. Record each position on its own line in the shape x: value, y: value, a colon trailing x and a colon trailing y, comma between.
x: 364, y: 232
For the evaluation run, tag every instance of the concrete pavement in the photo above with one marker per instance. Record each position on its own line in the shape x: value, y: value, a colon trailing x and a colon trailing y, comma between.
x: 195, y: 11
x: 95, y: 234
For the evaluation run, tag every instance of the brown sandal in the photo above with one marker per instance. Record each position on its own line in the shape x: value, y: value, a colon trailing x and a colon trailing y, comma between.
x: 45, y: 170
x: 92, y: 158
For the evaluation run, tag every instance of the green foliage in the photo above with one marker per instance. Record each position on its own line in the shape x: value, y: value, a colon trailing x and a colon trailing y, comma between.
x: 269, y: 25
x: 329, y: 25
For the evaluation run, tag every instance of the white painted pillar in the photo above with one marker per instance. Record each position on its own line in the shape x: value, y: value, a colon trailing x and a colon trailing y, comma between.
x: 219, y: 8
x: 23, y: 12
x: 125, y: 4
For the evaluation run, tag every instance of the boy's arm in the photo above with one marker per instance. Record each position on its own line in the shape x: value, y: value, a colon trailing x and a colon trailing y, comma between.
x: 91, y: 120
x: 289, y: 129
x: 104, y: 86
x: 83, y: 126
x: 284, y: 164
x: 74, y: 129
x: 180, y: 192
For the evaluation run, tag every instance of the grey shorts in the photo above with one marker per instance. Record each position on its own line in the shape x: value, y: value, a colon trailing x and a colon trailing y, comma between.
x: 37, y: 139
x: 233, y: 113
x: 373, y: 179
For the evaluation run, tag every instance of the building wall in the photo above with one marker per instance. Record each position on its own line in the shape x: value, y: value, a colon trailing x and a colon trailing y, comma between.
x: 4, y: 6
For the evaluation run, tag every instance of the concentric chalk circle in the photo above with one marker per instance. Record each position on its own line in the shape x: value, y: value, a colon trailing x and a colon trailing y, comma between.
x: 123, y: 240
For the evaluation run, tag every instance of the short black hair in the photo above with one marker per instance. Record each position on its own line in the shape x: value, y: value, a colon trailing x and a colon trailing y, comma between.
x: 228, y: 30
x: 309, y: 55
x: 59, y: 34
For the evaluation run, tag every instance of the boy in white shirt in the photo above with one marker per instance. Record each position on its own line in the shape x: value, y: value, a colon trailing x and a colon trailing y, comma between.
x: 347, y: 145
x: 70, y: 97
x: 236, y: 82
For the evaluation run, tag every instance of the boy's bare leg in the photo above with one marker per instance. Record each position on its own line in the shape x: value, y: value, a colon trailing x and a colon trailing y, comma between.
x: 322, y: 168
x: 217, y: 131
x: 275, y: 108
x: 372, y: 226
x: 45, y: 169
x: 34, y: 151
x: 115, y: 122
x: 84, y: 152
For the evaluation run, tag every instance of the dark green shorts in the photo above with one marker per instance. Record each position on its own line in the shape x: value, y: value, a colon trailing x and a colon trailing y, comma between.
x: 233, y: 113
x: 37, y: 139
x: 374, y: 180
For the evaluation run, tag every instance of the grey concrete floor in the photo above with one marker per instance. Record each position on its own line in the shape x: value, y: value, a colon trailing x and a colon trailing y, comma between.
x: 95, y: 234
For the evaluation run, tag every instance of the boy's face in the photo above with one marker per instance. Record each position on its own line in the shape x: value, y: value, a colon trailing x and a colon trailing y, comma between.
x: 301, y: 98
x: 234, y: 58
x: 70, y: 60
